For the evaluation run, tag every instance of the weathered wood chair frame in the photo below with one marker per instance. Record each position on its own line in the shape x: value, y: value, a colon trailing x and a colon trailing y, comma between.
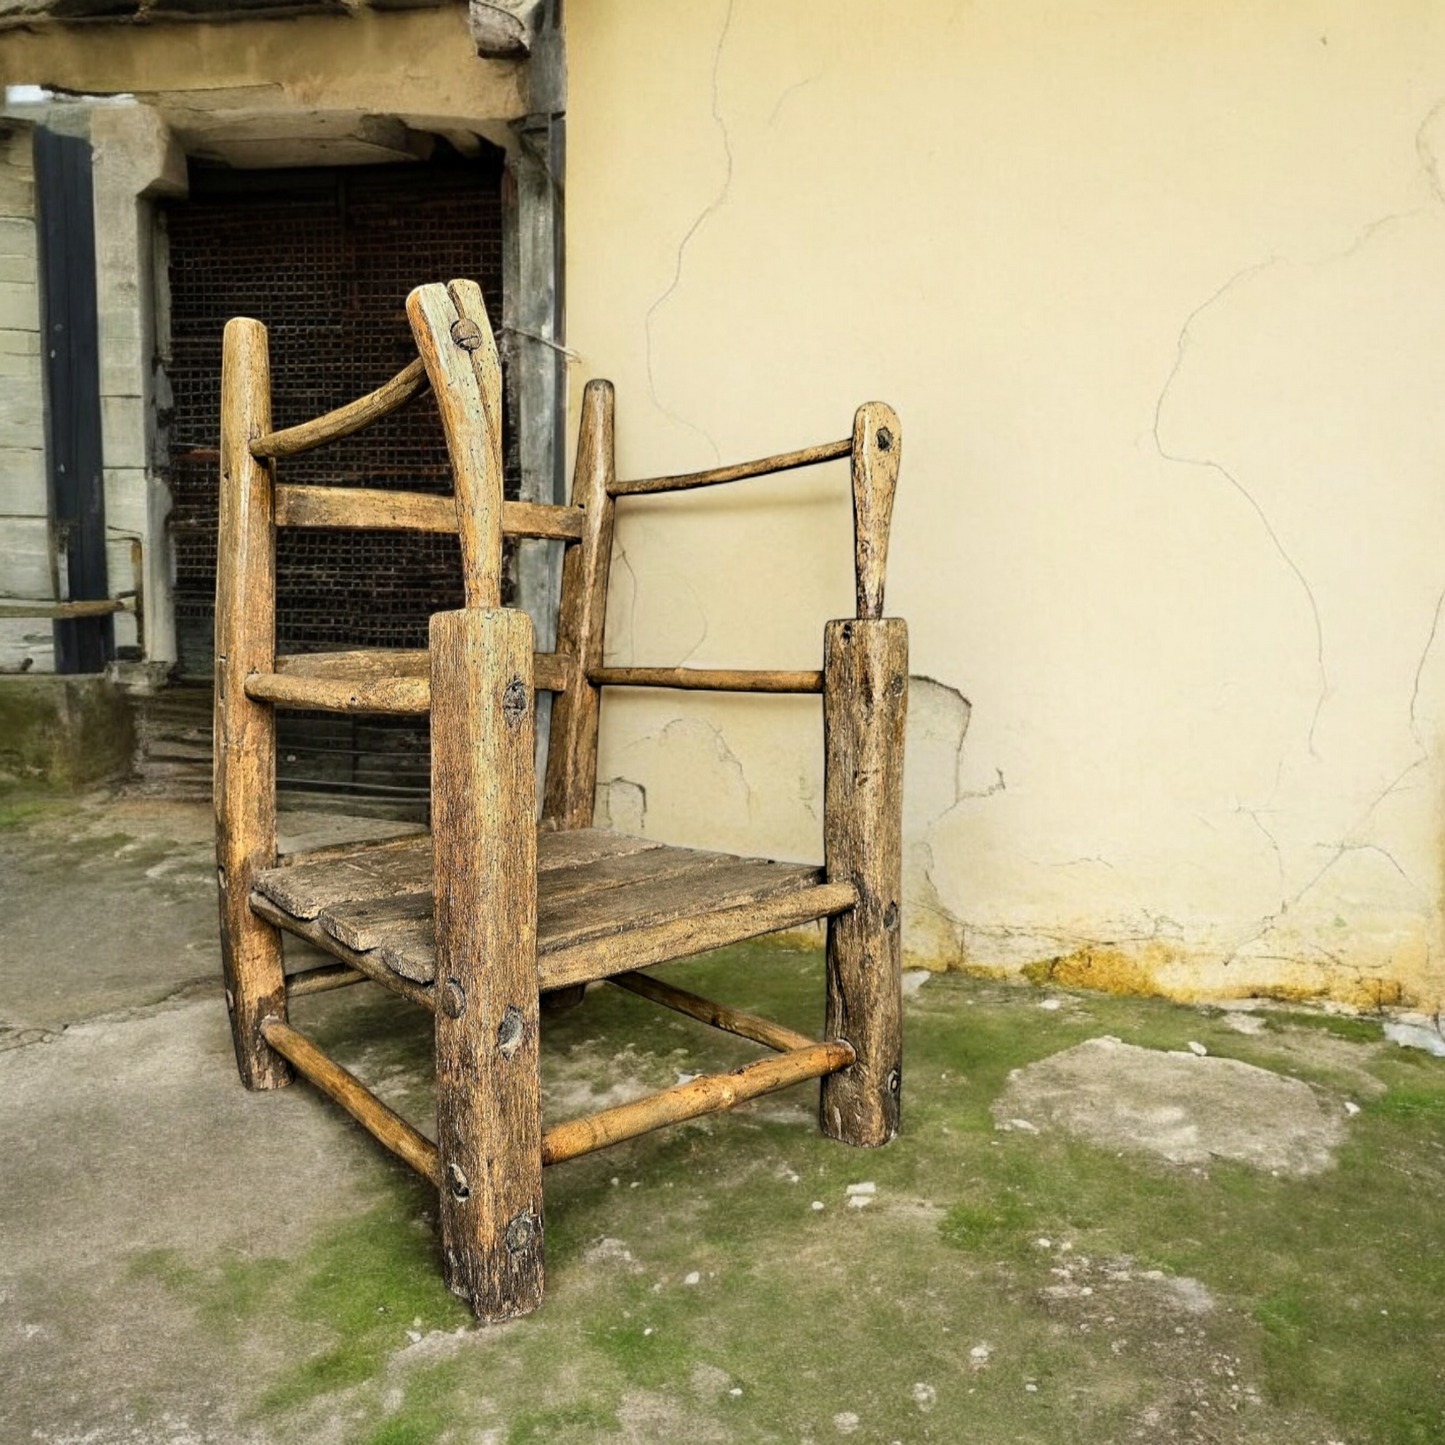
x: 477, y: 679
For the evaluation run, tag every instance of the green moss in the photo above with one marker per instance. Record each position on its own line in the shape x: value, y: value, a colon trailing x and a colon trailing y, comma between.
x: 566, y: 1422
x: 1340, y: 1026
x: 365, y: 1284
x: 18, y: 811
x: 715, y: 1291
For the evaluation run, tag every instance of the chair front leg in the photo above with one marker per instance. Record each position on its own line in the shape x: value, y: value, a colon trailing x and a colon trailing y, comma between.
x: 485, y: 848
x: 865, y: 701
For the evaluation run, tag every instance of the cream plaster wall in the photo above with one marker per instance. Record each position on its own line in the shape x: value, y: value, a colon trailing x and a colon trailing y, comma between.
x: 1159, y: 293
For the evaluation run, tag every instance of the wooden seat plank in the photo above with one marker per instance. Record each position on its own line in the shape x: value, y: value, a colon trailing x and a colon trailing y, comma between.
x: 586, y: 917
x: 369, y: 923
x: 396, y: 868
x: 304, y: 889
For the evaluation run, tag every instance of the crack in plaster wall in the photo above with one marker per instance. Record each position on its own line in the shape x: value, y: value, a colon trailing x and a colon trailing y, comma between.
x: 687, y: 238
x: 1210, y: 464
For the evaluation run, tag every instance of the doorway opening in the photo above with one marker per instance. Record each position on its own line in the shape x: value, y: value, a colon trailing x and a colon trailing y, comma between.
x: 325, y: 257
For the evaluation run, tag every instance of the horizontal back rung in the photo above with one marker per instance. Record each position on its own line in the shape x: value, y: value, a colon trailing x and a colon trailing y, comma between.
x: 707, y: 679
x: 764, y: 466
x: 380, y: 680
x: 390, y: 397
x: 369, y: 508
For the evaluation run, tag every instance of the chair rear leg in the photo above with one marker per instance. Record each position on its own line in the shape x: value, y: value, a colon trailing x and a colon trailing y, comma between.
x: 865, y: 702
x: 489, y: 1123
x: 245, y: 730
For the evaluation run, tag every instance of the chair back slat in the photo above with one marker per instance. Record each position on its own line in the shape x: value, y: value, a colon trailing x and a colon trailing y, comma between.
x: 572, y: 752
x: 454, y: 338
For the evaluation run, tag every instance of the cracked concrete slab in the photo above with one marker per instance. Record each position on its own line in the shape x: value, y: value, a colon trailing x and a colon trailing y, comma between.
x: 147, y: 868
x: 129, y: 1151
x: 1184, y: 1106
x: 184, y: 1263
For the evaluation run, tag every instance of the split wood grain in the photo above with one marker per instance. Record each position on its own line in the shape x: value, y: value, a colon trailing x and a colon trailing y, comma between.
x: 368, y: 508
x: 359, y: 664
x: 715, y: 1015
x: 360, y: 848
x: 705, y: 679
x: 485, y: 850
x: 707, y: 1095
x: 474, y: 443
x: 381, y: 1121
x: 399, y: 696
x: 244, y: 768
x: 472, y: 333
x: 764, y: 466
x: 391, y: 396
x: 571, y: 780
x: 864, y: 707
x: 549, y: 669
x: 877, y: 453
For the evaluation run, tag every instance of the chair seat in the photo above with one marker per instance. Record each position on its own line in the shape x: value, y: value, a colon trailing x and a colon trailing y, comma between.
x: 596, y: 890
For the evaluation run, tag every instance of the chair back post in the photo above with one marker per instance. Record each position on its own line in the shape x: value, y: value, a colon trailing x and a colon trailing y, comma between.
x: 571, y: 784
x: 865, y: 704
x: 877, y: 452
x: 455, y: 340
x: 245, y: 730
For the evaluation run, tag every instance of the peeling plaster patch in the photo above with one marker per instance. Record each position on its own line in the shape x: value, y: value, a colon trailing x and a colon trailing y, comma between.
x: 622, y: 806
x: 938, y: 718
x: 668, y: 771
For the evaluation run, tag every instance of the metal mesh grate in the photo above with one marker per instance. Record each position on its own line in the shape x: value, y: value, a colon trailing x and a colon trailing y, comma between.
x: 325, y: 259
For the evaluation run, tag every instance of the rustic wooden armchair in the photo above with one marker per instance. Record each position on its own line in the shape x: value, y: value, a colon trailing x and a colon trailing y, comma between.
x: 476, y: 921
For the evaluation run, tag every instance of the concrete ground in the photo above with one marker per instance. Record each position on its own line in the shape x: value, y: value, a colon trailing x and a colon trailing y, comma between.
x: 1106, y: 1220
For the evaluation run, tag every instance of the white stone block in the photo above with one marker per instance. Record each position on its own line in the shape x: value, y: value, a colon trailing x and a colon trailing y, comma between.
x: 19, y: 306
x: 120, y: 564
x: 125, y: 501
x: 22, y: 483
x: 123, y: 431
x: 27, y: 645
x: 25, y: 558
x: 17, y: 237
x: 22, y: 417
